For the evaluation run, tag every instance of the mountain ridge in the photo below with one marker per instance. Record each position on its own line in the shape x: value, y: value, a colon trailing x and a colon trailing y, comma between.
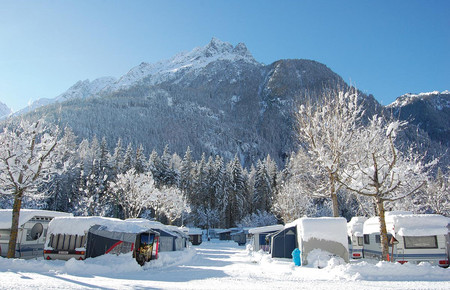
x: 216, y: 99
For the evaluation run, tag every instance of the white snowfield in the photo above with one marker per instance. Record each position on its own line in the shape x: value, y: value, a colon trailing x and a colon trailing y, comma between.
x: 215, y: 265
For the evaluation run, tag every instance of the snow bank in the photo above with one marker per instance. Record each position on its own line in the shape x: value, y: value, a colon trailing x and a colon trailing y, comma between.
x: 320, y: 259
x: 80, y: 225
x: 26, y: 215
x: 106, y: 265
x: 324, y: 228
x: 408, y: 224
x: 355, y: 226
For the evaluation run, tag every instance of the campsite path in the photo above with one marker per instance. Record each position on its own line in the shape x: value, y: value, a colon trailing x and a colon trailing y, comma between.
x: 212, y: 265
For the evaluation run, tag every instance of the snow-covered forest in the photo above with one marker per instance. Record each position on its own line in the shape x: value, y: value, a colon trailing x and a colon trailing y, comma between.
x: 331, y: 174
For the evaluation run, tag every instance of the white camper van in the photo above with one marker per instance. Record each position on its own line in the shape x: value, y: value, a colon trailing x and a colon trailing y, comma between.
x: 419, y: 238
x: 33, y: 224
x: 355, y: 236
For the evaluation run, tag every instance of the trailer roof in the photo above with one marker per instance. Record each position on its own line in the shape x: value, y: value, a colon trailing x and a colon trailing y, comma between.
x: 80, y: 225
x: 265, y: 229
x: 408, y: 224
x: 26, y: 215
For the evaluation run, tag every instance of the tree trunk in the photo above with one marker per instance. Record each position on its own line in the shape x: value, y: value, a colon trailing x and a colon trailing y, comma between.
x: 383, y: 230
x: 334, y: 198
x: 14, y: 224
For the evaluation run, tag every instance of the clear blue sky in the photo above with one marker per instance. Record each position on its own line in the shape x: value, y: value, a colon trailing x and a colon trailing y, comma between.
x: 386, y: 48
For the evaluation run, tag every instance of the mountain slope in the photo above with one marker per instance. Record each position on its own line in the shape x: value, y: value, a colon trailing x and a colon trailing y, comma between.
x: 429, y: 111
x: 5, y: 111
x: 216, y: 99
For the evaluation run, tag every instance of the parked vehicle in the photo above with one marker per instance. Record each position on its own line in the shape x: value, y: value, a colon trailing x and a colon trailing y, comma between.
x: 308, y: 234
x: 31, y: 233
x: 355, y: 234
x: 259, y: 240
x: 418, y: 238
x: 85, y: 237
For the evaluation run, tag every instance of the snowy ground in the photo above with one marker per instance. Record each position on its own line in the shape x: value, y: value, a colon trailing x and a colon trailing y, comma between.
x: 215, y: 265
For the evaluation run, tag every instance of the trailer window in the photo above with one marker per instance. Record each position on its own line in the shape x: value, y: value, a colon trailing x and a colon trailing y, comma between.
x: 360, y: 241
x: 426, y: 242
x: 378, y: 239
x: 366, y: 239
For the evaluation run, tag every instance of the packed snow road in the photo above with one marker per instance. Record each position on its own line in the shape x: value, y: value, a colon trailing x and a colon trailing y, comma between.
x: 214, y: 265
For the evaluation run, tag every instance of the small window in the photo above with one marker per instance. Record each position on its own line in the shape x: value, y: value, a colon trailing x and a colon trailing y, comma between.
x: 426, y: 242
x: 378, y: 239
x: 366, y: 239
x: 360, y: 241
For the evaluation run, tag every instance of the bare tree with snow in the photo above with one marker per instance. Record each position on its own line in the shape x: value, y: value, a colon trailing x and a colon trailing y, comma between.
x: 134, y: 192
x: 326, y: 131
x: 27, y: 158
x: 380, y: 171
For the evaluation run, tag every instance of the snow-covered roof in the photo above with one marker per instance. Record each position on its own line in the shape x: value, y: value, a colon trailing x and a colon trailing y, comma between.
x: 323, y: 228
x: 194, y: 231
x: 355, y: 226
x: 26, y: 215
x: 265, y: 229
x: 80, y: 225
x: 408, y: 224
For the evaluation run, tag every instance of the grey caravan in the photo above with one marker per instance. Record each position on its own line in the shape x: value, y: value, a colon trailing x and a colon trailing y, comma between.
x: 32, y: 231
x: 312, y: 236
x: 419, y: 238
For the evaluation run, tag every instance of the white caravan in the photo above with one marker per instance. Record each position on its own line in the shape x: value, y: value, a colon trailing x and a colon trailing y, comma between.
x: 355, y: 236
x: 32, y: 231
x: 419, y: 238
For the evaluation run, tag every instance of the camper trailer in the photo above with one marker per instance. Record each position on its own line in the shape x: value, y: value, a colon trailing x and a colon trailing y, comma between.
x: 195, y: 236
x: 85, y: 237
x: 241, y: 236
x: 418, y: 238
x: 259, y: 240
x: 355, y: 236
x: 31, y: 234
x: 171, y: 238
x: 329, y: 235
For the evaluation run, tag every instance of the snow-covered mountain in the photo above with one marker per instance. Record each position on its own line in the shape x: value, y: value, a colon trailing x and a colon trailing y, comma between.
x: 182, y: 64
x: 82, y: 89
x: 439, y: 100
x: 216, y: 99
x: 5, y: 111
x: 429, y: 111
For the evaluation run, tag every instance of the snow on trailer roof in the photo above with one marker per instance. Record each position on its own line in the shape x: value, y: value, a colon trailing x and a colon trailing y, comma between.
x: 26, y: 215
x: 265, y: 229
x: 80, y: 225
x: 324, y: 228
x: 195, y: 231
x: 355, y: 226
x: 409, y: 224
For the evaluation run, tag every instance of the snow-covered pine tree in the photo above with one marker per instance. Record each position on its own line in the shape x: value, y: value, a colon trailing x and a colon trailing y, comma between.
x: 262, y: 191
x: 140, y: 161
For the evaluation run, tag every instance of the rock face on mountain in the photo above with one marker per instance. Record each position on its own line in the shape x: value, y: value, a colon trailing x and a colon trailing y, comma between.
x: 216, y: 99
x: 429, y: 111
